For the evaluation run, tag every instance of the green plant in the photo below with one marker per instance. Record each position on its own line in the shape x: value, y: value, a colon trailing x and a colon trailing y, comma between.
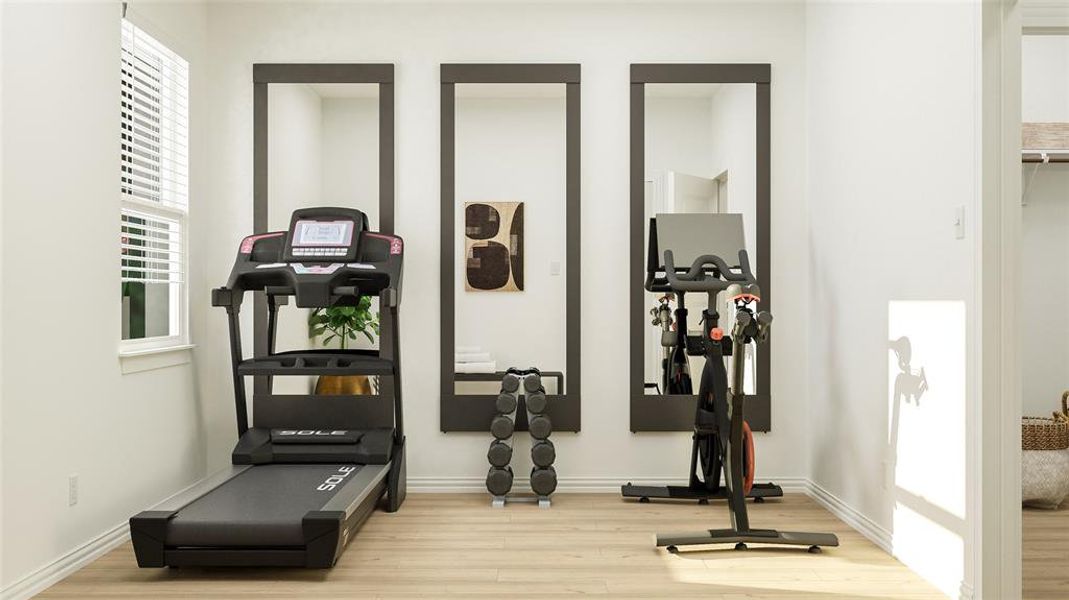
x: 344, y: 323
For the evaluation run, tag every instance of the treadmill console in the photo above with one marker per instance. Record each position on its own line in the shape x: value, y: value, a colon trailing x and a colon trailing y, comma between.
x: 324, y: 235
x: 327, y: 257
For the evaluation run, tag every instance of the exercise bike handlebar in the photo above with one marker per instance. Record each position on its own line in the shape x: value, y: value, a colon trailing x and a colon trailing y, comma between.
x: 696, y: 279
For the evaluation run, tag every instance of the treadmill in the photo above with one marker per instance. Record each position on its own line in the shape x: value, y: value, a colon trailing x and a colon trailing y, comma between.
x: 310, y: 470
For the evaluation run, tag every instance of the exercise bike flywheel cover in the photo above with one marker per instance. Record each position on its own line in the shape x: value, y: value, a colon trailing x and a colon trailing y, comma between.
x: 747, y: 444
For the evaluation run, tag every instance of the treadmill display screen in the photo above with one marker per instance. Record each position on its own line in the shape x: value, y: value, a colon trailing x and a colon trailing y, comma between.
x: 323, y: 233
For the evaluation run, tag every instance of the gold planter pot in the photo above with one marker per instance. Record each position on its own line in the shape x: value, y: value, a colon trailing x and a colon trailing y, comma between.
x: 343, y: 385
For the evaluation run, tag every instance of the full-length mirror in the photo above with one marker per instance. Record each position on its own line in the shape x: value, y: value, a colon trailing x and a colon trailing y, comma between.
x: 323, y: 136
x: 697, y: 148
x: 510, y: 238
x: 323, y: 150
x: 511, y: 210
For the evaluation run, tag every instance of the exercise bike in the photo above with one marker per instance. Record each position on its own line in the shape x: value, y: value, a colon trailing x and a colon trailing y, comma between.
x: 723, y: 441
x: 679, y: 344
x: 675, y: 367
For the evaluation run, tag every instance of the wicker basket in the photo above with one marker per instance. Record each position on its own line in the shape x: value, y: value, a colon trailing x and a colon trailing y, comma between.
x: 1038, y: 433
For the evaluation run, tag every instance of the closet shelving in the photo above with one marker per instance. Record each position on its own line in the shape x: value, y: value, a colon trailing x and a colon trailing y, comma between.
x: 1044, y: 143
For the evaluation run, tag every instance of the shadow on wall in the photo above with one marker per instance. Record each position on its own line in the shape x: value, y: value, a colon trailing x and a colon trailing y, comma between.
x: 910, y: 384
x: 925, y: 456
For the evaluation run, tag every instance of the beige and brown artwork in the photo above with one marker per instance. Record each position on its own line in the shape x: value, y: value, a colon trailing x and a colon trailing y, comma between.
x: 493, y: 246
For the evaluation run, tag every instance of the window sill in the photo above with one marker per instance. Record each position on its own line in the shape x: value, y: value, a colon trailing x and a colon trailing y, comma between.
x: 148, y: 359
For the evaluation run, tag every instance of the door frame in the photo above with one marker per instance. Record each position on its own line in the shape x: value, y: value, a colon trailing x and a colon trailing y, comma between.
x: 995, y: 447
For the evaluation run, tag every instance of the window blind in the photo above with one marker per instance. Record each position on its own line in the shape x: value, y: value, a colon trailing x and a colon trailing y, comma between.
x: 155, y: 121
x: 151, y: 248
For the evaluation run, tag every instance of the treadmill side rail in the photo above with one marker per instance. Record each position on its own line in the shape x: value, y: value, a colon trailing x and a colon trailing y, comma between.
x: 367, y: 481
x: 148, y: 530
x: 188, y: 495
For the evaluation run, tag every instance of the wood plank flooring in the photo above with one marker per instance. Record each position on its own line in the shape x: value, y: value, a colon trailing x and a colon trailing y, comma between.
x: 1045, y: 553
x: 446, y: 545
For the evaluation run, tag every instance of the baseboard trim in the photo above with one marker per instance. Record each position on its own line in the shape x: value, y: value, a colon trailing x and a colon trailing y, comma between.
x: 53, y: 573
x: 59, y: 569
x: 568, y: 485
x: 875, y: 533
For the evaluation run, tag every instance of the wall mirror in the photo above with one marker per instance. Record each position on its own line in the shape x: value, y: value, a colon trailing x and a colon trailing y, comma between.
x: 323, y: 136
x: 699, y: 144
x: 509, y: 237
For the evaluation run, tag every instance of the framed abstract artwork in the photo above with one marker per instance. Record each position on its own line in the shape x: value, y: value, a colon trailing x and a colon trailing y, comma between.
x: 493, y: 246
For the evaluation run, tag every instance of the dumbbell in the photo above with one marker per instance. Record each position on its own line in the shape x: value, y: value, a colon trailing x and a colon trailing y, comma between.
x: 536, y: 402
x: 542, y: 453
x: 505, y: 403
x: 500, y: 454
x: 502, y: 427
x: 543, y: 480
x: 533, y: 383
x: 499, y: 480
x: 539, y: 426
x: 510, y: 383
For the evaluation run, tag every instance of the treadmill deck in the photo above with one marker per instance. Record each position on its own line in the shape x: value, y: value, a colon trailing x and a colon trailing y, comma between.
x: 264, y: 506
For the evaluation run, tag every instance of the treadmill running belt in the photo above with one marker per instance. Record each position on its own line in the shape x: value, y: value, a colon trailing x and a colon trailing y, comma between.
x: 262, y: 507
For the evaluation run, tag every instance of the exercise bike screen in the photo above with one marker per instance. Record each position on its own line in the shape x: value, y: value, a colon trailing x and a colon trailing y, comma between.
x: 323, y: 233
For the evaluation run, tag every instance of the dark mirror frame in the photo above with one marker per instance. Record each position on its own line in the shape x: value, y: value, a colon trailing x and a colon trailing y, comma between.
x: 473, y: 412
x: 378, y: 413
x: 676, y: 412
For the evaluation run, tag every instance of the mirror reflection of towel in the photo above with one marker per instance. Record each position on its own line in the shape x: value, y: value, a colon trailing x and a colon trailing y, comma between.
x: 475, y: 367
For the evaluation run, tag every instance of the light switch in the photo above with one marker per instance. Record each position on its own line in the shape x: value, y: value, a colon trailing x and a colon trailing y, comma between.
x: 554, y: 267
x: 959, y: 222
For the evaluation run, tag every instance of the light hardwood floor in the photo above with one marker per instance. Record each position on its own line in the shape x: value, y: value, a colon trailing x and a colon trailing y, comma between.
x: 441, y: 545
x: 1045, y: 553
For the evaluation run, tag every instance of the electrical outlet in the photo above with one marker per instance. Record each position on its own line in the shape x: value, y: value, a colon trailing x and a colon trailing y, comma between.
x: 72, y: 490
x: 959, y: 222
x: 554, y: 267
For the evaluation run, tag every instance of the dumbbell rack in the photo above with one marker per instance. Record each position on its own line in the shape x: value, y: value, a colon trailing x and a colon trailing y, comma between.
x: 500, y: 477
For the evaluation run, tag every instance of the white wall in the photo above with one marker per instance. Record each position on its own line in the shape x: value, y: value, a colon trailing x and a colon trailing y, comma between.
x: 605, y: 40
x: 677, y: 135
x: 350, y: 154
x: 893, y: 134
x: 1045, y: 78
x: 513, y: 149
x: 1045, y: 221
x: 68, y: 409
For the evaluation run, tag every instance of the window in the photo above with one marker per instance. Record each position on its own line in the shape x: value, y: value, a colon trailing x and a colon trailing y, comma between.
x: 155, y: 192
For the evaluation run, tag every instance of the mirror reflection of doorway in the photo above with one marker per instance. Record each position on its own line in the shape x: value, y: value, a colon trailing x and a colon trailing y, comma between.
x: 691, y: 193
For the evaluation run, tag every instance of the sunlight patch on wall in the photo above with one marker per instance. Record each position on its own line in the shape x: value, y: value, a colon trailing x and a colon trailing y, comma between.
x: 926, y: 409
